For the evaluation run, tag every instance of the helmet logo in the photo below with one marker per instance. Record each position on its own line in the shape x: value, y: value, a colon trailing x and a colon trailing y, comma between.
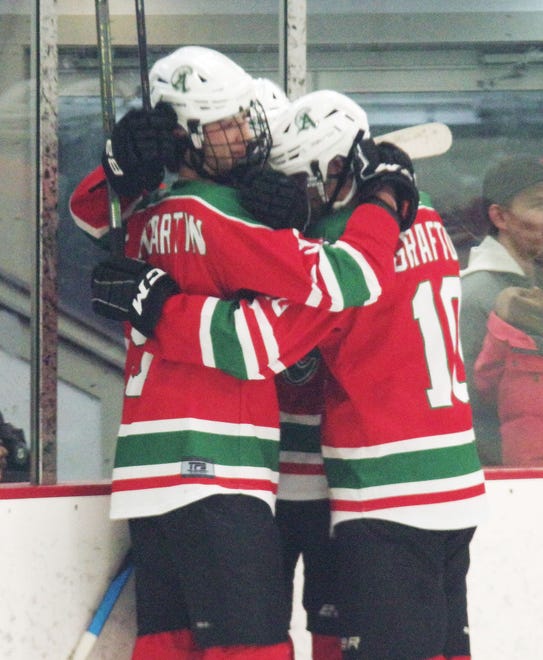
x: 303, y: 121
x: 179, y: 78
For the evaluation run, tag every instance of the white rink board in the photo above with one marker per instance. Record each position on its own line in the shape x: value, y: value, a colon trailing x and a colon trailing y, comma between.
x: 58, y: 554
x: 505, y: 582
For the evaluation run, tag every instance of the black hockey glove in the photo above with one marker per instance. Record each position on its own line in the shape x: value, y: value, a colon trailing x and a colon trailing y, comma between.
x: 394, y: 169
x: 274, y: 199
x: 141, y: 144
x: 131, y: 290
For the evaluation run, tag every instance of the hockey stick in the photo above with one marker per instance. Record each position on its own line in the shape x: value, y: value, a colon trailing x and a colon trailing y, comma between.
x: 422, y: 140
x: 108, y: 117
x: 142, y: 52
x: 89, y: 637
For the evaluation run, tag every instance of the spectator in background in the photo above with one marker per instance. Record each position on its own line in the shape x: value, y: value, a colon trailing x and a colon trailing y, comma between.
x: 509, y: 373
x: 3, y: 460
x: 507, y: 257
x: 14, y: 453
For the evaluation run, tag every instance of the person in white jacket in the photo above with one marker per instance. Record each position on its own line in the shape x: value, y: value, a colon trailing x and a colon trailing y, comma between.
x: 507, y: 257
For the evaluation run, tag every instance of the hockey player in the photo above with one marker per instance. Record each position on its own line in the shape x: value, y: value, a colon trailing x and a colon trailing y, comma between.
x: 407, y: 489
x: 272, y: 98
x: 197, y: 454
x: 302, y: 510
x: 307, y: 150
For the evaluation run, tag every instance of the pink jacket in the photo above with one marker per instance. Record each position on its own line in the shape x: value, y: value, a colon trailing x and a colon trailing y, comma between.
x: 509, y: 373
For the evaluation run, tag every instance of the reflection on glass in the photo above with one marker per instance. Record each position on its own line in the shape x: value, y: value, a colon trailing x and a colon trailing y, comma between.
x: 16, y: 216
x: 489, y: 94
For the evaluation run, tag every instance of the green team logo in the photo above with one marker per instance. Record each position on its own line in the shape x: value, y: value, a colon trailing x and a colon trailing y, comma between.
x: 179, y: 78
x: 303, y: 121
x: 304, y: 370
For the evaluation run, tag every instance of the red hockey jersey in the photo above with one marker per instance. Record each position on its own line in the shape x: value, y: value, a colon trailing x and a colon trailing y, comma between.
x: 188, y: 432
x: 398, y: 442
x: 300, y: 391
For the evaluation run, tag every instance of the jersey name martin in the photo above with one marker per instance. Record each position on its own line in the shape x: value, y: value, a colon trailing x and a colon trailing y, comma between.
x: 423, y: 243
x: 172, y: 233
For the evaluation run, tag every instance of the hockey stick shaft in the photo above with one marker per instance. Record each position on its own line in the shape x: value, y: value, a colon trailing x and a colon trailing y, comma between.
x: 108, y: 115
x: 142, y: 52
x: 422, y: 140
x: 115, y: 587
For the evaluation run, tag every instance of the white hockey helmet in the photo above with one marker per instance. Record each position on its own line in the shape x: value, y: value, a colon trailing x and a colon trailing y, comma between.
x: 204, y: 86
x: 272, y: 98
x: 312, y: 131
x: 201, y: 84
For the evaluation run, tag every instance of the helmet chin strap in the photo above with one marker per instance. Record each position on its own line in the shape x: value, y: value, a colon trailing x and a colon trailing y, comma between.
x: 317, y: 181
x: 348, y: 167
x: 309, y: 217
x: 340, y: 203
x: 331, y: 203
x: 196, y: 133
x: 195, y: 160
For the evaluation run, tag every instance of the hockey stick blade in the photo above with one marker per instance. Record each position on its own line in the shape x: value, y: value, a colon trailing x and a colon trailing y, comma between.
x: 422, y: 140
x: 89, y: 637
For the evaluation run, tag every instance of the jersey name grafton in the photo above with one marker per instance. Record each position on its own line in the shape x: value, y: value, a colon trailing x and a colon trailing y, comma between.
x: 398, y: 442
x: 426, y: 242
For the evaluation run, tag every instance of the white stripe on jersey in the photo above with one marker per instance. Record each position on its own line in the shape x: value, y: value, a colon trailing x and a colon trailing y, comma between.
x: 407, y: 488
x: 269, y: 340
x: 200, y: 425
x: 206, y: 345
x: 400, y: 446
x: 371, y: 279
